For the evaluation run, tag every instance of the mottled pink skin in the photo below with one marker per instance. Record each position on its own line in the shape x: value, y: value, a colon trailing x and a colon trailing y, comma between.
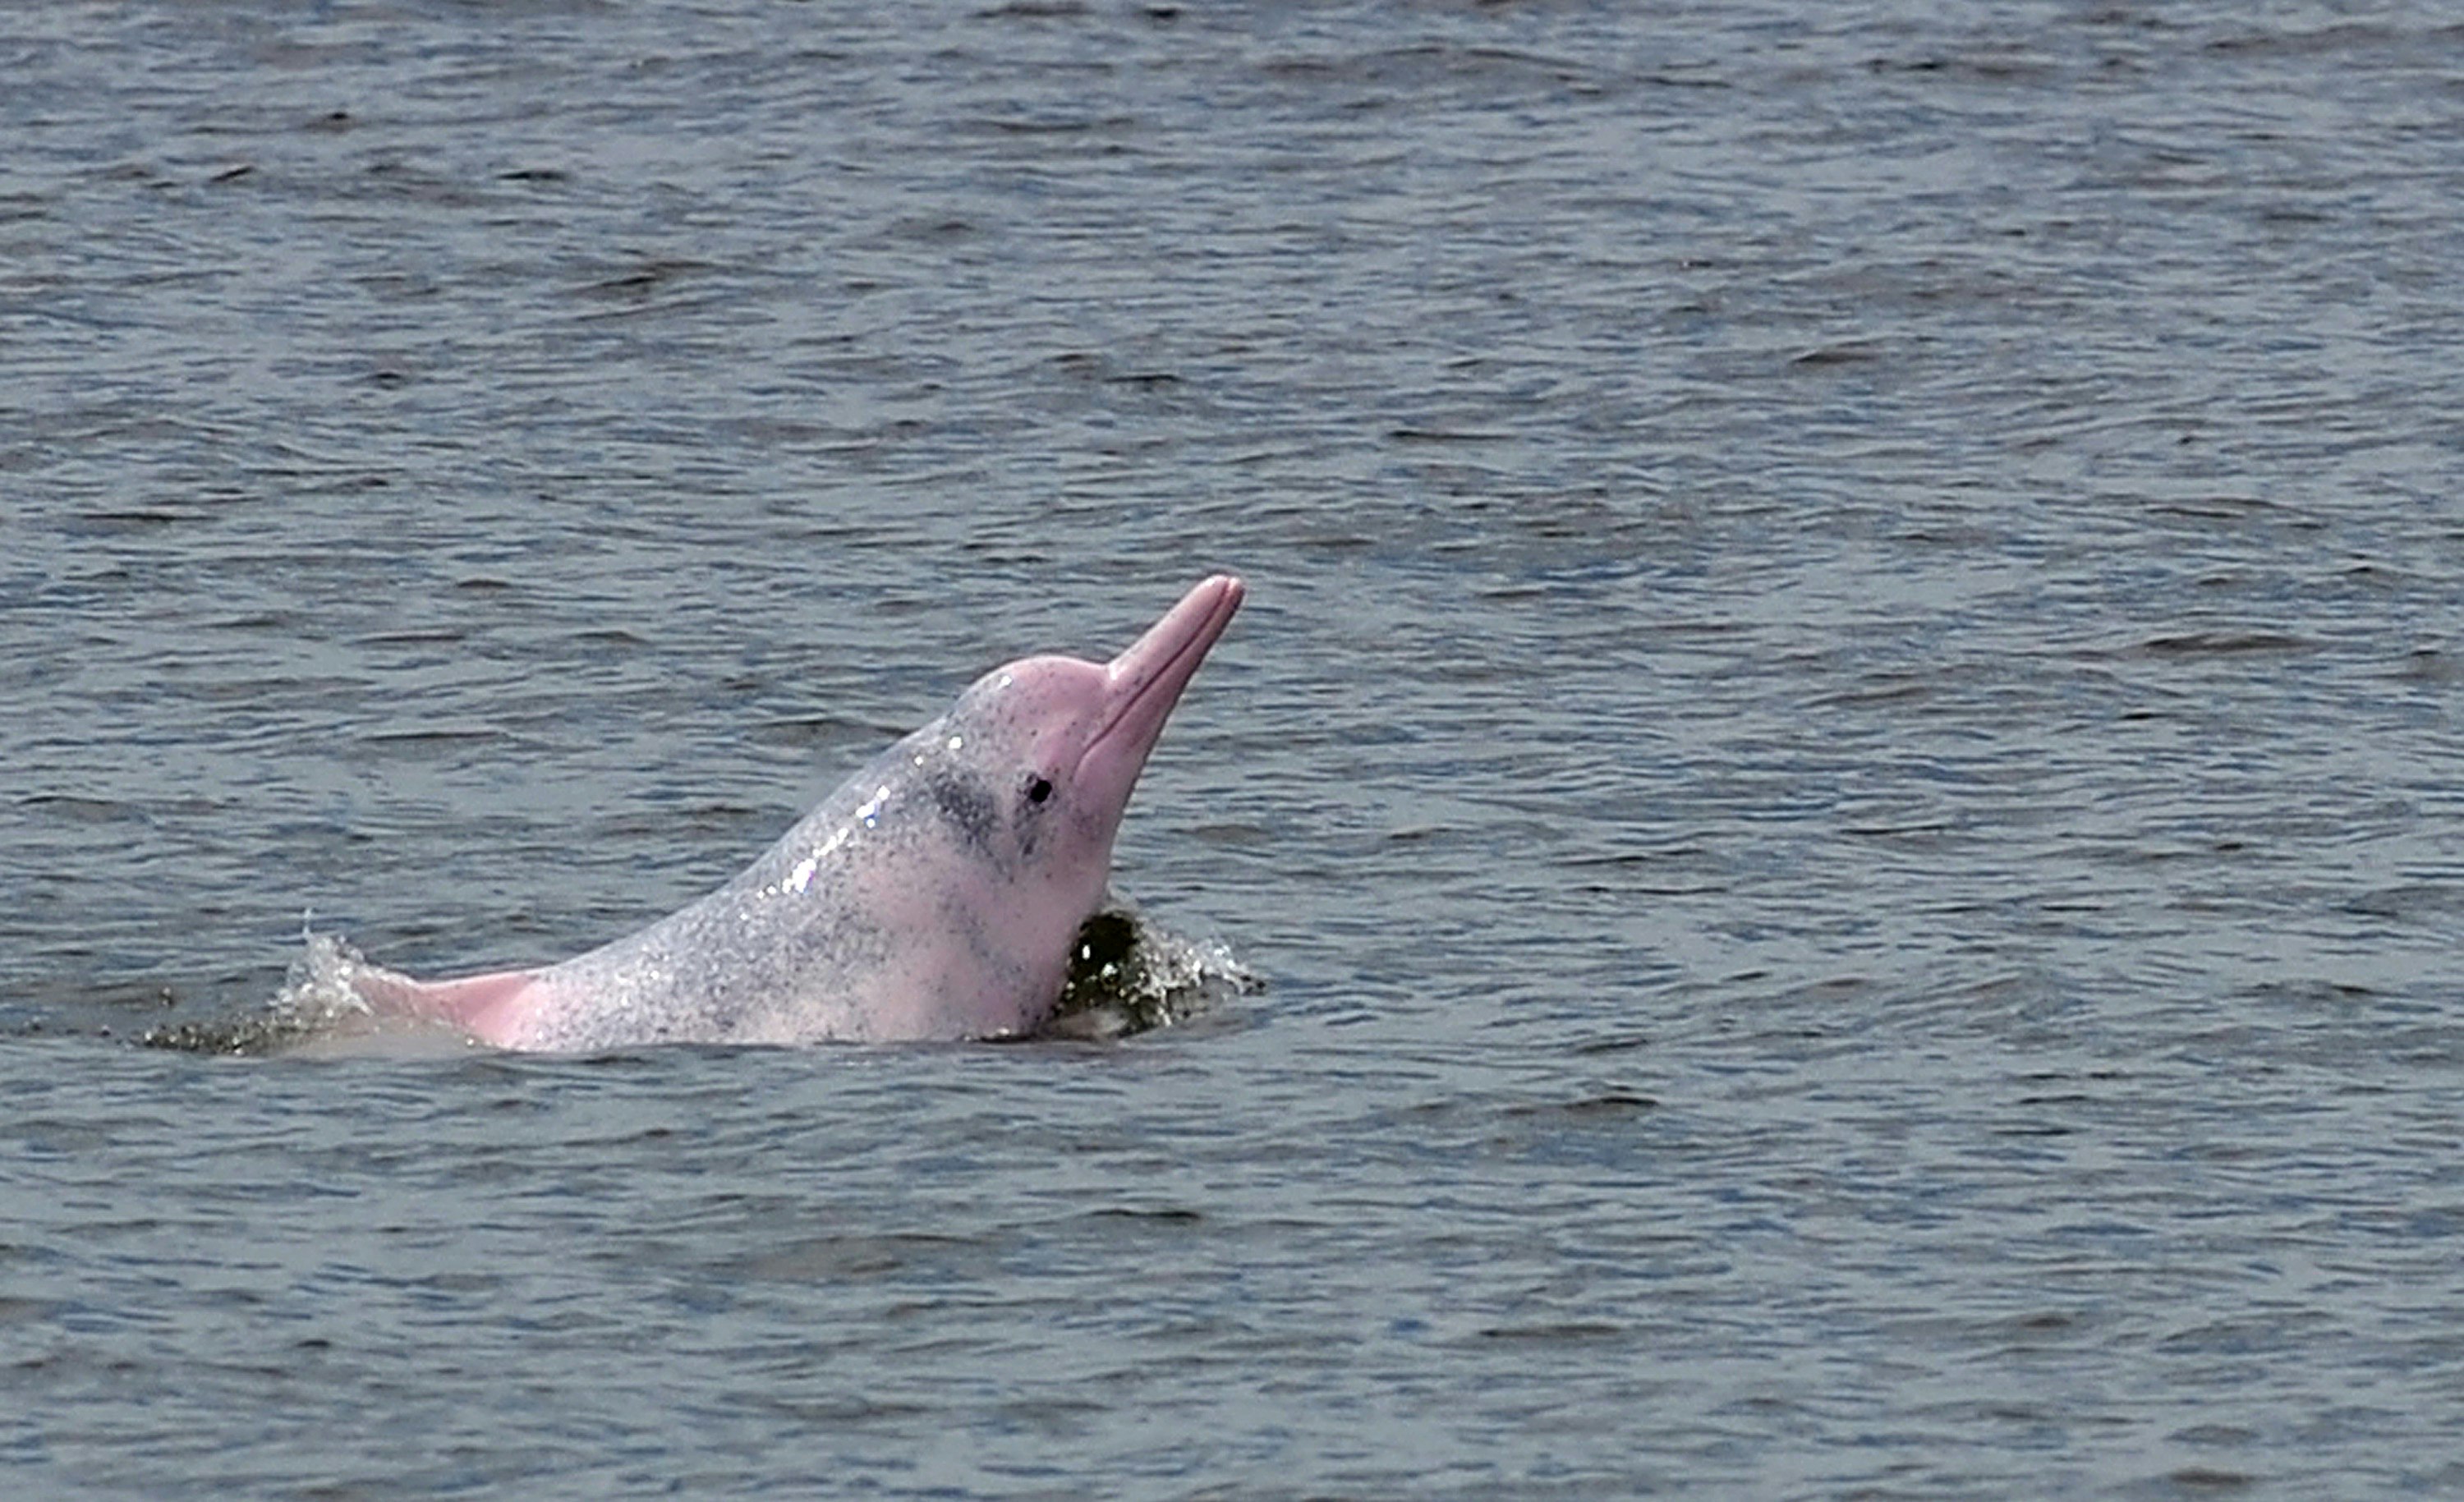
x: 934, y: 895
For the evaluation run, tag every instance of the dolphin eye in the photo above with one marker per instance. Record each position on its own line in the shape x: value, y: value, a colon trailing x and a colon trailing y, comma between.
x: 1037, y: 789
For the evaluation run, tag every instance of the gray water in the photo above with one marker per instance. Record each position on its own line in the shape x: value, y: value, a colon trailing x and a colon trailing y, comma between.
x: 1840, y: 768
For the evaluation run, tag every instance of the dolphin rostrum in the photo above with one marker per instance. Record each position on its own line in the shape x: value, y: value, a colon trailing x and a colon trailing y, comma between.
x: 934, y: 895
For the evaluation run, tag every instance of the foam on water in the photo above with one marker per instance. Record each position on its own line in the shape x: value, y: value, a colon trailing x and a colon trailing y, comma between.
x: 317, y: 1008
x: 1128, y: 976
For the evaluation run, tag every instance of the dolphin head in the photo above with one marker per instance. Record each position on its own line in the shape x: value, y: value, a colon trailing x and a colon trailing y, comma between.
x: 1052, y: 747
x: 1032, y: 768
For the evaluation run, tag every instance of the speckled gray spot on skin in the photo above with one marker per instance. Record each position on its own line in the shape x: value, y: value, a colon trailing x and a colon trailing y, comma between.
x: 965, y: 806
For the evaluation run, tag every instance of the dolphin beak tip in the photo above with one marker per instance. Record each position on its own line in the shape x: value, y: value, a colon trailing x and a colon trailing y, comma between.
x: 1149, y: 675
x: 1223, y: 594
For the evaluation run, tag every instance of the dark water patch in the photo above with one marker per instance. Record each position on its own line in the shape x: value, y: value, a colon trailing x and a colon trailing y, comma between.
x: 1557, y: 1334
x: 2193, y: 644
x: 1625, y: 1044
x: 1169, y: 1215
x: 1607, y: 1104
x: 435, y: 736
x: 1848, y: 354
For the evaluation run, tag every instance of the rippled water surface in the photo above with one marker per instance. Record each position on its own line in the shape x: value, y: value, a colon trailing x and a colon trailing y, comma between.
x: 1841, y: 766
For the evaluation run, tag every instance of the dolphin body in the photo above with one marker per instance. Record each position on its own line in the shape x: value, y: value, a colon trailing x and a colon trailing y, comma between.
x: 934, y: 895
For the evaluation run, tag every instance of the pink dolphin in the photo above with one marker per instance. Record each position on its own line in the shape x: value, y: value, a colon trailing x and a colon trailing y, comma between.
x: 934, y: 895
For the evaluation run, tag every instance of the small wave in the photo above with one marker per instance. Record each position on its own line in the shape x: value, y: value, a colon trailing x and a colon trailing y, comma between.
x: 319, y: 1004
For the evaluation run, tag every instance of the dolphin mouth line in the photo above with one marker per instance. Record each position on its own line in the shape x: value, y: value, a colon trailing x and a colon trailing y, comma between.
x: 1191, y: 627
